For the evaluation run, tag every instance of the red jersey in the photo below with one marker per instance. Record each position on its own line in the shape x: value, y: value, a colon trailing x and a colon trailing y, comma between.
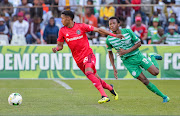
x: 139, y: 31
x: 77, y: 40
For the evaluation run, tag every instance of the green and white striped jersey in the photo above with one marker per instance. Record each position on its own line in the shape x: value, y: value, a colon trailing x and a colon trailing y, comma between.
x: 172, y: 39
x: 152, y: 31
x: 129, y: 41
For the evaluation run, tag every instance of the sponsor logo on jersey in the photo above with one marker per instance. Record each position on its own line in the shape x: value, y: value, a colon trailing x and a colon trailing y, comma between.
x: 78, y: 32
x: 134, y: 73
x: 74, y: 38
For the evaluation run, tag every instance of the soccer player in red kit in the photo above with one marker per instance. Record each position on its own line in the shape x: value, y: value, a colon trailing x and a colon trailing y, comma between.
x: 74, y: 34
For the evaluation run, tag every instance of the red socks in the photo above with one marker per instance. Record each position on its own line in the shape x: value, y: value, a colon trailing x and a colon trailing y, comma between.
x: 105, y: 85
x: 96, y: 82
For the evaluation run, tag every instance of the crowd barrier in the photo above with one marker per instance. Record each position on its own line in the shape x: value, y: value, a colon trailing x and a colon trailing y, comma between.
x: 40, y: 62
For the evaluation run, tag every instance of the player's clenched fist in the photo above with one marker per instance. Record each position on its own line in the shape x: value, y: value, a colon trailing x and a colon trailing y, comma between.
x: 54, y: 50
x: 121, y: 52
x: 120, y: 36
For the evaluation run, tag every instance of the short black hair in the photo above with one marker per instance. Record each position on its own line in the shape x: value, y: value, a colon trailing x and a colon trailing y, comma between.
x: 115, y: 18
x: 68, y: 13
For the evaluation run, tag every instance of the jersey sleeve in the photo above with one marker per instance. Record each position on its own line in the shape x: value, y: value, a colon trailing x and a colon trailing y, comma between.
x: 108, y: 45
x: 60, y: 36
x: 154, y: 38
x: 87, y: 28
x: 135, y: 39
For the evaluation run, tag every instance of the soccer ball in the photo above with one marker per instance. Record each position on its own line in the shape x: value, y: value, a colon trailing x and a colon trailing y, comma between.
x: 15, y: 99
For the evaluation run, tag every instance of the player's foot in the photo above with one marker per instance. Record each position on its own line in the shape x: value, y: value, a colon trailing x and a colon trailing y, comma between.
x: 166, y: 99
x: 104, y: 100
x: 114, y: 93
x: 157, y: 56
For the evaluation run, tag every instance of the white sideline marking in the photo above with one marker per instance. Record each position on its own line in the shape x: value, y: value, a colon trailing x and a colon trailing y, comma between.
x: 62, y: 84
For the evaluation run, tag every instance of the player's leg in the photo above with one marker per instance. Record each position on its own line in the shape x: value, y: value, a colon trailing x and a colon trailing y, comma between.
x: 154, y: 69
x: 109, y: 87
x: 147, y: 65
x: 152, y: 87
x: 90, y: 71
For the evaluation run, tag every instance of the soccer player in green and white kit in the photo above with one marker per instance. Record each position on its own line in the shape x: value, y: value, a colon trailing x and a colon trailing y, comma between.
x: 132, y: 58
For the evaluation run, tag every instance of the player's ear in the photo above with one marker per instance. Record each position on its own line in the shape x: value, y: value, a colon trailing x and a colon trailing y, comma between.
x: 119, y: 24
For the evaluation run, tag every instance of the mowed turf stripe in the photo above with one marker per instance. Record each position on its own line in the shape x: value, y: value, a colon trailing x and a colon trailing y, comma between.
x: 62, y: 84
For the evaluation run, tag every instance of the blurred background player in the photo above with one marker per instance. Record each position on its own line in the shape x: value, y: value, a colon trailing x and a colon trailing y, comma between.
x: 132, y: 58
x: 75, y: 36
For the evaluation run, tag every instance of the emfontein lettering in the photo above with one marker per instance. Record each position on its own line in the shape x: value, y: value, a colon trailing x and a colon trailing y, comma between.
x: 43, y: 61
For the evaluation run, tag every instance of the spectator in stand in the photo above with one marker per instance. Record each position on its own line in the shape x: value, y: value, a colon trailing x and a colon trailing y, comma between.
x: 24, y: 7
x: 140, y: 29
x: 36, y: 11
x: 123, y: 23
x: 14, y: 19
x: 50, y: 34
x: 5, y: 3
x: 48, y: 2
x: 30, y: 1
x: 123, y: 2
x: 27, y: 17
x: 45, y: 7
x: 94, y: 10
x: 7, y: 20
x: 106, y: 12
x: 170, y: 9
x: 35, y: 35
x: 55, y: 11
x: 172, y: 38
x: 95, y: 2
x: 125, y: 13
x: 158, y: 38
x: 137, y: 10
x: 161, y: 16
x: 68, y: 5
x: 3, y: 28
x: 90, y: 19
x: 172, y: 23
x: 153, y: 29
x: 15, y: 4
x: 20, y: 27
x: 147, y: 9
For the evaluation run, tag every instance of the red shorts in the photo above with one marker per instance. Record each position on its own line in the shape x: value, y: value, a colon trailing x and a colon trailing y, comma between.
x: 88, y: 61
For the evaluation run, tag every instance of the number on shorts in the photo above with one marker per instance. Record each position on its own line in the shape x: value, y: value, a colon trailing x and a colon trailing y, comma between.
x: 145, y: 60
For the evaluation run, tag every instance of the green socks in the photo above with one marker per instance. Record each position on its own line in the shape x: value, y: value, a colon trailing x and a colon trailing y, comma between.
x: 155, y: 90
x: 154, y: 62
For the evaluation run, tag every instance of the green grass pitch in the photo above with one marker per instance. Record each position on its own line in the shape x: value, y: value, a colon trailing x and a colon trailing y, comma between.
x: 46, y: 97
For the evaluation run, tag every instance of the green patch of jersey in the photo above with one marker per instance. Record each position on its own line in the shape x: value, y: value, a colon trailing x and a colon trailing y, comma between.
x: 156, y: 38
x: 126, y: 43
x: 152, y: 31
x: 172, y: 39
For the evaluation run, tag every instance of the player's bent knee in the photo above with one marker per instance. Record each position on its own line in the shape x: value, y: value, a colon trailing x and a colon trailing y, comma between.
x: 155, y: 73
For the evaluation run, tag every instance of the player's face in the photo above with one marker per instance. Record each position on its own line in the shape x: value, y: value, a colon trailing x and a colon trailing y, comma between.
x: 113, y: 25
x: 65, y: 20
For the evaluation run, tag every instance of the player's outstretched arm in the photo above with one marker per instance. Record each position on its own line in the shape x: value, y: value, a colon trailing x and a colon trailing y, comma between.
x: 59, y: 47
x: 111, y: 57
x: 103, y: 31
